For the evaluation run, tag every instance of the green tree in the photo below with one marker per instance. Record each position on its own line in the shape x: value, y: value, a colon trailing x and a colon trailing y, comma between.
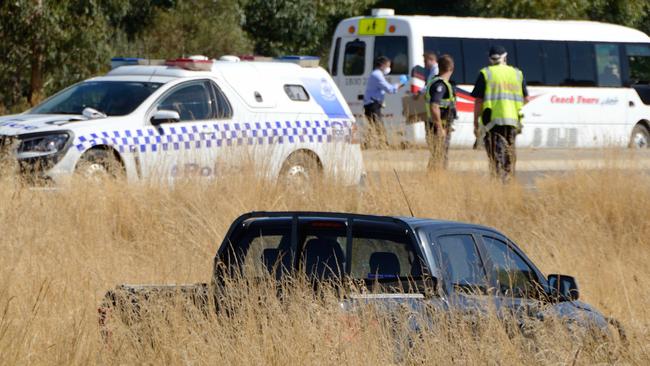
x: 207, y: 27
x: 296, y: 26
x: 48, y: 44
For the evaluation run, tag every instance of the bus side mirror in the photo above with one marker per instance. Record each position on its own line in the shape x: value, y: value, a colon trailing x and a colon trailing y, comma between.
x: 564, y: 286
x: 165, y: 116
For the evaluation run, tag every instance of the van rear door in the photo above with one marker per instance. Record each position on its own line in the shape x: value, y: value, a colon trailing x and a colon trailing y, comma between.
x: 351, y: 69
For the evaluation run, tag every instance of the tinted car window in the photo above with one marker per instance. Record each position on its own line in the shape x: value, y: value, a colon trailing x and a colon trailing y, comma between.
x: 556, y: 63
x: 582, y: 64
x: 529, y: 60
x: 354, y: 58
x: 514, y: 277
x: 377, y: 252
x: 191, y: 101
x: 452, y: 47
x: 396, y: 49
x: 461, y: 264
x: 475, y: 53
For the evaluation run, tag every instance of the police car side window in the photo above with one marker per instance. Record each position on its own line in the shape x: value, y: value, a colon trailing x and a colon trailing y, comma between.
x: 223, y: 109
x: 192, y: 101
x: 296, y: 93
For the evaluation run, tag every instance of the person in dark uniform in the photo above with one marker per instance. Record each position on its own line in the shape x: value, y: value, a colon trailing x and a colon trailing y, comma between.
x: 500, y: 92
x: 440, y: 102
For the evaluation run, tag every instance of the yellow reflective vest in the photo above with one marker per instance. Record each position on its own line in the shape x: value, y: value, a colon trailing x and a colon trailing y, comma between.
x: 503, y: 95
x: 446, y: 103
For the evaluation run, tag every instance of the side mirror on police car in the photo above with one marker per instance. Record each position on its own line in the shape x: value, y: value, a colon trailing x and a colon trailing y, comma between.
x: 565, y: 286
x: 165, y: 116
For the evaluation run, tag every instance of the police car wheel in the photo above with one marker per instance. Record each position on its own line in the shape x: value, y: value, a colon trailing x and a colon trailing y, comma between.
x: 99, y: 164
x: 640, y: 137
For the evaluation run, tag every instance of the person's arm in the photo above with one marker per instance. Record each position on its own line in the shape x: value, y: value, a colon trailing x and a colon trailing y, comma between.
x: 478, y: 93
x: 386, y: 86
x: 478, y: 108
x: 524, y: 90
x: 436, y: 118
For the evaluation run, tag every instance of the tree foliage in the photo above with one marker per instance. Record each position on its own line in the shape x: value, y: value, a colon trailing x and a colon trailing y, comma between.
x: 49, y: 44
x: 296, y: 26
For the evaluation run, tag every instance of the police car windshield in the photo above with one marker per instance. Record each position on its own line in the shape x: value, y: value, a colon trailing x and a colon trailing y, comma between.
x: 113, y: 98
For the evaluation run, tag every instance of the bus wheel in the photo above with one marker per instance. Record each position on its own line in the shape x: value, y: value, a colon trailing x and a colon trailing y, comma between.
x: 300, y: 171
x: 98, y: 164
x: 640, y: 137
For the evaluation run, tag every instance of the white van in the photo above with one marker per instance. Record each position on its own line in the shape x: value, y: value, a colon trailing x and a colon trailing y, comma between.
x: 589, y: 81
x: 191, y: 117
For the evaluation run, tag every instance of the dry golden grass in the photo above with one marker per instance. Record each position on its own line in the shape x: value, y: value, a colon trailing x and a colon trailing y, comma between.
x: 60, y: 252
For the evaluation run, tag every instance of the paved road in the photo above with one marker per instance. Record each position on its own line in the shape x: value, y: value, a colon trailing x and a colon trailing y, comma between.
x: 531, y: 163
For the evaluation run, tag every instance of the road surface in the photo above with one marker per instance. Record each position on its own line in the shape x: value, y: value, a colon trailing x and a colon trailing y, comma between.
x: 531, y: 163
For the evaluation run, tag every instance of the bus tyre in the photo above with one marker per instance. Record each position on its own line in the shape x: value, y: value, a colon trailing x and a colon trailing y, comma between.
x: 300, y: 171
x: 98, y: 164
x: 640, y: 137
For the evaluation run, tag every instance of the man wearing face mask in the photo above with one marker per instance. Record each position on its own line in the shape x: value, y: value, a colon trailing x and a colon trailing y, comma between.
x: 373, y: 98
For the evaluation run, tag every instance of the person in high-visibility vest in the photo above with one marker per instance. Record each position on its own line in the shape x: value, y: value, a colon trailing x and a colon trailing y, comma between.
x: 440, y: 102
x: 500, y: 92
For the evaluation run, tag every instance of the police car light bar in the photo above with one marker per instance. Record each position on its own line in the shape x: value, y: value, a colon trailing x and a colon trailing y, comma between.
x: 194, y: 64
x: 131, y: 61
x: 304, y: 61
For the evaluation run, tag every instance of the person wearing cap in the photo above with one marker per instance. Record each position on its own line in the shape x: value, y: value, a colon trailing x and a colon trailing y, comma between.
x: 373, y: 99
x: 440, y: 101
x: 500, y: 92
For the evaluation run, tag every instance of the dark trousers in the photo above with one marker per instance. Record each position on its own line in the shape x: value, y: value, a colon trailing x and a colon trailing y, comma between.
x: 500, y: 148
x: 376, y: 132
x: 438, y: 145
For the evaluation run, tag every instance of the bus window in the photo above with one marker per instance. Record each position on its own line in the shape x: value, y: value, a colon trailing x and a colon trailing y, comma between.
x: 354, y: 59
x: 396, y: 49
x: 450, y: 46
x: 475, y: 52
x: 334, y: 70
x: 556, y: 63
x: 639, y: 63
x: 529, y: 60
x: 608, y: 65
x: 582, y: 65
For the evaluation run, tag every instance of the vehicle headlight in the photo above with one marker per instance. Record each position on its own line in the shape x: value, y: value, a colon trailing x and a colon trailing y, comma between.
x: 42, y: 145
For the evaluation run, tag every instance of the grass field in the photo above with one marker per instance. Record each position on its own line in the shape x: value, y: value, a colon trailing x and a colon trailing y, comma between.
x: 60, y: 252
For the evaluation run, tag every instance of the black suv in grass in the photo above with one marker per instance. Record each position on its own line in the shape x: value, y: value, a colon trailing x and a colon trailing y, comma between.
x: 411, y: 261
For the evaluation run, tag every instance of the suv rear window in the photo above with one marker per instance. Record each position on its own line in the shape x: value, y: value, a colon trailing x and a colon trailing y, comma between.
x: 377, y: 251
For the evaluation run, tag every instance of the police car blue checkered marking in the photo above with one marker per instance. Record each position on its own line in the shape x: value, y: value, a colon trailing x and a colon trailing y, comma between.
x: 216, y: 135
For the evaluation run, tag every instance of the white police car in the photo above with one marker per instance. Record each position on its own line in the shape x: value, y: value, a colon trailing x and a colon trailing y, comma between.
x: 190, y: 117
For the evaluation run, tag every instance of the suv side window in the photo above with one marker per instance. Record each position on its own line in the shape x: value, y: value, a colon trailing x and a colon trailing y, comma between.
x: 192, y: 101
x: 514, y: 277
x: 461, y: 264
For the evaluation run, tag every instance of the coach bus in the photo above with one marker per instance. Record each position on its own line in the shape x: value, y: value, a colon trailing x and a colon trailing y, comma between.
x: 589, y: 82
